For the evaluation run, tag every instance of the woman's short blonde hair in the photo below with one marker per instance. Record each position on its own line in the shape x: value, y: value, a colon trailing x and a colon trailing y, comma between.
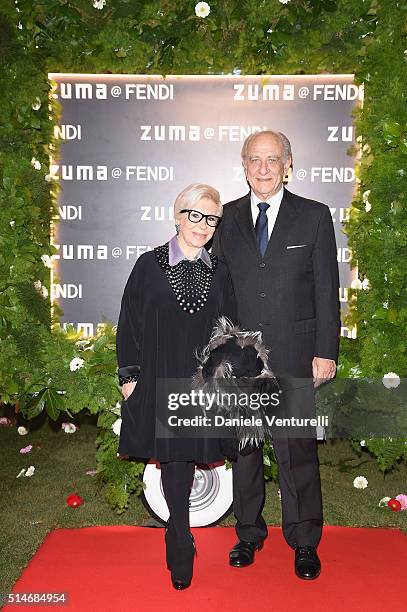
x: 194, y: 192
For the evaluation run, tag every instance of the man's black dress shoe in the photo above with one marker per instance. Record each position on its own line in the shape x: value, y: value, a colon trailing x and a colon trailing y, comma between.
x: 307, y: 563
x: 242, y: 554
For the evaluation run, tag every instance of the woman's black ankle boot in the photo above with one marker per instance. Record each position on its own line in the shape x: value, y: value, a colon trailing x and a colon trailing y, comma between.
x: 182, y: 564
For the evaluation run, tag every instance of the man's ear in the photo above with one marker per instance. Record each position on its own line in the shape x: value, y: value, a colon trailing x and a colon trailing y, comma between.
x: 288, y: 164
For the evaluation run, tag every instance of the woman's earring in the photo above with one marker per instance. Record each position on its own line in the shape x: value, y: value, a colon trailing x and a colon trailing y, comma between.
x: 177, y: 228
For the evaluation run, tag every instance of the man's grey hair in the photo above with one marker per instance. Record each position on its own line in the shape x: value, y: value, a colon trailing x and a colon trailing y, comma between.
x: 285, y: 143
x: 193, y: 193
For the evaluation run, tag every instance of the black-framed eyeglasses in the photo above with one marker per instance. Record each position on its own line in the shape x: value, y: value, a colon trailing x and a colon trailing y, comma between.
x: 195, y: 216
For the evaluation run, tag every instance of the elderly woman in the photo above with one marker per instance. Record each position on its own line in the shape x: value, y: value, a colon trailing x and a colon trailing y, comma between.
x: 172, y: 299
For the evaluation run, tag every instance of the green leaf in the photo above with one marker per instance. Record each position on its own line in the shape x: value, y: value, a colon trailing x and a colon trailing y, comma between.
x: 101, y: 367
x: 7, y: 182
x: 392, y: 128
x: 380, y: 313
x: 36, y: 405
x: 54, y: 404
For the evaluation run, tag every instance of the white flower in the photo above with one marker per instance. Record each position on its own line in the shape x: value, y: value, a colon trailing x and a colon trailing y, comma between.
x: 117, y: 426
x: 99, y: 4
x: 383, y: 501
x: 360, y: 482
x: 22, y: 431
x: 69, y: 427
x: 20, y: 25
x: 12, y: 223
x: 356, y: 284
x: 76, y: 363
x: 202, y: 9
x: 365, y: 283
x: 368, y: 207
x: 400, y: 172
x: 284, y: 1
x: 391, y: 380
x: 30, y: 471
x: 21, y: 473
x: 40, y: 288
x: 36, y: 105
x: 36, y: 163
x: 385, y: 304
x: 362, y: 443
x: 46, y: 260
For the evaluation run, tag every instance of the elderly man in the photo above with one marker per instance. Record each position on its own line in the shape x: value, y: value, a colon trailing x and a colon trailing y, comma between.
x: 281, y: 252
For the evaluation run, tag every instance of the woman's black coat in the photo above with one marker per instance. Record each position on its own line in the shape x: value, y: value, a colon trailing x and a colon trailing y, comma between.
x: 158, y: 339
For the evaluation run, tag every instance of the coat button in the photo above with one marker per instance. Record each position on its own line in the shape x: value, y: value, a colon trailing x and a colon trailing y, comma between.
x: 262, y: 265
x: 262, y: 295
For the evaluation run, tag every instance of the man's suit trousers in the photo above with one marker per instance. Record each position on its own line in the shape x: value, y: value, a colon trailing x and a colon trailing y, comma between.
x: 300, y: 487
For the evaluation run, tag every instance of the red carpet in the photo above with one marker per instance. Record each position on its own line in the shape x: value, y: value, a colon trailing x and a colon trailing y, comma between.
x: 123, y: 569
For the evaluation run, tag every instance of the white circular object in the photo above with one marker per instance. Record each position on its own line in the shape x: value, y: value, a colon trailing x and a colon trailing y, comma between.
x: 211, y: 494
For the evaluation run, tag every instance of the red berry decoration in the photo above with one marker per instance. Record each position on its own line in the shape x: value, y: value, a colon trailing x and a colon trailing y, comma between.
x: 74, y: 500
x: 394, y: 505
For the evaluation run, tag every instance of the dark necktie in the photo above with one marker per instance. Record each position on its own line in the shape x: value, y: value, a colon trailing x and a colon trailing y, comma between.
x: 261, y: 227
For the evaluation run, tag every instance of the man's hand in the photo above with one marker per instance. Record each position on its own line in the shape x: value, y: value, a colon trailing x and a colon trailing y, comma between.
x: 322, y: 370
x: 128, y: 388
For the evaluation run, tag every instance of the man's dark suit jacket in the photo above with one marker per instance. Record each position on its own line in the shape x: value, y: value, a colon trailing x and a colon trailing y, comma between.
x: 292, y: 294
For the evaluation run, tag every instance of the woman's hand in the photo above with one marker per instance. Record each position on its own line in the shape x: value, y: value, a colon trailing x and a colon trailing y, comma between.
x: 128, y: 388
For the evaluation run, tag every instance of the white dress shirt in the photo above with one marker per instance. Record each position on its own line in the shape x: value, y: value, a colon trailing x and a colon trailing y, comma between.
x: 271, y: 212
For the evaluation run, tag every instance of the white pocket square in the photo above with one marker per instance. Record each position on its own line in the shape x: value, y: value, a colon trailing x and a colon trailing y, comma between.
x: 296, y: 246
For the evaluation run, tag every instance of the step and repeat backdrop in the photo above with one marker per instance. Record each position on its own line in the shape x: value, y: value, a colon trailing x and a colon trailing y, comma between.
x: 131, y: 143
